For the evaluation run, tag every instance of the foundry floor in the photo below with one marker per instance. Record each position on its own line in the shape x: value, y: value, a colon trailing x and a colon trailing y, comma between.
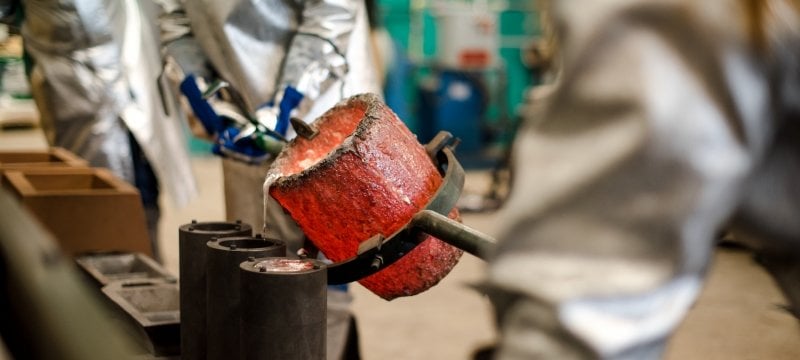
x: 737, y: 316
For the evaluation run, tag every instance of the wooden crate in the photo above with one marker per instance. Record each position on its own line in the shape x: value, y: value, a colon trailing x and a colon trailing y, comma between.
x: 51, y: 158
x: 86, y: 209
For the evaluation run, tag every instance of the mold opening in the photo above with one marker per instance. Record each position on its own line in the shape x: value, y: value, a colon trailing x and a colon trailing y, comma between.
x: 217, y: 226
x: 152, y: 299
x: 120, y: 266
x: 284, y: 265
x: 249, y: 243
x: 138, y: 284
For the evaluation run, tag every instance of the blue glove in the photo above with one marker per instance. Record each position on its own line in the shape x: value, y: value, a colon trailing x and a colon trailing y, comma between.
x: 291, y: 99
x: 212, y: 123
x: 242, y: 148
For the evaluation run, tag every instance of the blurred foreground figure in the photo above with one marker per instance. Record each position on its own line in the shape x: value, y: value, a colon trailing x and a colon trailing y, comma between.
x: 671, y: 118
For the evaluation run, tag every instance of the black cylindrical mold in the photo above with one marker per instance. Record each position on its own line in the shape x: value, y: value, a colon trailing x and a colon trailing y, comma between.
x: 283, y: 303
x: 192, y: 240
x: 223, y: 311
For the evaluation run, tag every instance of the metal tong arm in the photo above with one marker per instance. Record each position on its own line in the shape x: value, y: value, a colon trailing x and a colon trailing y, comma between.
x: 453, y: 232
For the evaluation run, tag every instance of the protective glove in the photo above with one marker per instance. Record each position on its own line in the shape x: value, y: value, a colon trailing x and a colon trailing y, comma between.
x: 289, y: 101
x: 241, y: 144
x: 235, y: 133
x: 277, y: 117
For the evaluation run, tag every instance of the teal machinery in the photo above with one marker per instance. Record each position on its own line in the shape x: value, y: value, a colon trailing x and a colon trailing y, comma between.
x: 469, y: 77
x: 455, y: 96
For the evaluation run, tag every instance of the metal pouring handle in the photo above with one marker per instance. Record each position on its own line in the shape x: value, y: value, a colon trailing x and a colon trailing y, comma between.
x: 454, y: 233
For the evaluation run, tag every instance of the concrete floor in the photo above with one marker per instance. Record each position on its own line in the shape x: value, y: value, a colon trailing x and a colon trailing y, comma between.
x: 736, y: 317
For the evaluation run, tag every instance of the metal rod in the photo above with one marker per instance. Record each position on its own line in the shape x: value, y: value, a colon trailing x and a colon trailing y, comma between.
x: 192, y: 239
x: 454, y: 233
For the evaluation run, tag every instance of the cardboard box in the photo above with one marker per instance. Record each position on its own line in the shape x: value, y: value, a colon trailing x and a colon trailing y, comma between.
x: 86, y: 209
x: 51, y: 158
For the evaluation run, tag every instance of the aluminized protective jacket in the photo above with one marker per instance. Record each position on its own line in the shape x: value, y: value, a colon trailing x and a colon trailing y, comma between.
x: 670, y: 117
x: 319, y: 47
x: 97, y: 74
